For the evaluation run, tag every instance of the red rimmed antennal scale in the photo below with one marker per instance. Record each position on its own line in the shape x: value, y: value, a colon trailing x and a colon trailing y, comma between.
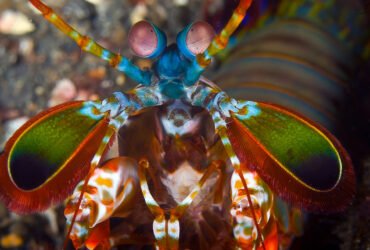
x: 51, y: 149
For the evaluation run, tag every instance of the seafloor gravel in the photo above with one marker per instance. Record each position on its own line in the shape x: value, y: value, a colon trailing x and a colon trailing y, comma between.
x: 40, y: 67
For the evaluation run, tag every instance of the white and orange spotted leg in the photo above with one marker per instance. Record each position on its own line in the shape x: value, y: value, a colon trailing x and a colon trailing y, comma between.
x: 111, y: 186
x: 243, y: 186
x: 245, y: 229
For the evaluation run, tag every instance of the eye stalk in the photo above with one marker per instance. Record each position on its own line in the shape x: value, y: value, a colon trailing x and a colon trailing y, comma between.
x: 195, y: 39
x: 146, y: 40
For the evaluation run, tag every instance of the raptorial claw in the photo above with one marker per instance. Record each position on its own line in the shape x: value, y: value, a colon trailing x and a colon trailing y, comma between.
x: 245, y: 228
x: 110, y: 187
x: 83, y: 222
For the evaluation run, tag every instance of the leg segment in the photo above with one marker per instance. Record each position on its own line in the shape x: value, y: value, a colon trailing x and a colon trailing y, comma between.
x: 166, y: 225
x: 110, y: 187
x: 220, y: 126
x: 89, y: 45
x: 245, y: 228
x: 165, y: 239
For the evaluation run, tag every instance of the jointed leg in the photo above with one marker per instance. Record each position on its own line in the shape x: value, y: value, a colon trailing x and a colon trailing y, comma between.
x: 110, y: 187
x: 245, y: 228
x: 89, y: 45
x: 220, y: 126
x: 167, y: 230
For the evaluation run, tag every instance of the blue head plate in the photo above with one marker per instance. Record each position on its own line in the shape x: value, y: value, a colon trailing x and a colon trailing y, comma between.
x: 174, y: 67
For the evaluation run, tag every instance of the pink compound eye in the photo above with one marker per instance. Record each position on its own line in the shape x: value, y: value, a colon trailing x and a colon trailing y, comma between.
x: 146, y: 40
x: 199, y: 37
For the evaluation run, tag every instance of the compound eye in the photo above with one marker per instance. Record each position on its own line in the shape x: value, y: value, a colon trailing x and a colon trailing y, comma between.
x: 199, y: 37
x: 195, y: 39
x: 146, y: 40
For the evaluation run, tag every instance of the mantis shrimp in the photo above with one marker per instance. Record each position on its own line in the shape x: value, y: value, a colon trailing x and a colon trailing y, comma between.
x: 192, y: 157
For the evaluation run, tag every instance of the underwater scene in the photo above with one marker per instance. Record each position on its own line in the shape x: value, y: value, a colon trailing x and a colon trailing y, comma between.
x: 185, y: 124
